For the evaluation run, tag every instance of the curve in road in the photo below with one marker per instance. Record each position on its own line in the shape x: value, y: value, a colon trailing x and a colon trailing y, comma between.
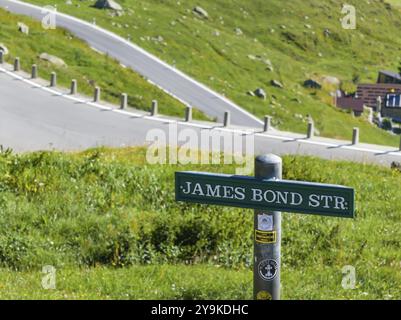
x: 34, y: 117
x: 171, y: 80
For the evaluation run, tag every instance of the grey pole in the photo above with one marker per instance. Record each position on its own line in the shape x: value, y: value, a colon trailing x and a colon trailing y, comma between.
x: 96, y: 95
x: 266, y: 269
x: 153, y: 111
x: 34, y: 72
x: 267, y: 124
x: 74, y: 86
x: 1, y: 57
x: 124, y: 101
x: 400, y: 142
x: 16, y: 64
x: 53, y: 79
x: 311, y: 130
x: 227, y: 119
x: 355, y: 136
x: 188, y: 114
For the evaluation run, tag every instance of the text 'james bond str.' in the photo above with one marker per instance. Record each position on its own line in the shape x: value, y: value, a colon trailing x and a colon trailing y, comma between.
x: 279, y: 195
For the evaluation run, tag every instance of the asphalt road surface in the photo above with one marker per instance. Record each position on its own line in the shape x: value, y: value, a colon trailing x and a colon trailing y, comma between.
x: 169, y: 79
x: 34, y: 117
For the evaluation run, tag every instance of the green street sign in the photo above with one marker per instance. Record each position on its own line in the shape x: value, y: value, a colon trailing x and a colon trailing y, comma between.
x: 272, y: 195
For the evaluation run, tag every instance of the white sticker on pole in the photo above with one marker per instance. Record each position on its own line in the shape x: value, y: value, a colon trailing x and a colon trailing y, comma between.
x: 265, y: 222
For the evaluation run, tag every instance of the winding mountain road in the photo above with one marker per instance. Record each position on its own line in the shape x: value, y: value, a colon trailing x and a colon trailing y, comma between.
x: 35, y: 117
x: 173, y: 81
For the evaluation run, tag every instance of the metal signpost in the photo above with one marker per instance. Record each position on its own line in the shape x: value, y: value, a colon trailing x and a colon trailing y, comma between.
x: 268, y: 194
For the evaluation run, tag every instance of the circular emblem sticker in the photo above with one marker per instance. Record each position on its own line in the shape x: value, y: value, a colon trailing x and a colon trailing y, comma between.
x: 268, y: 269
x: 263, y: 295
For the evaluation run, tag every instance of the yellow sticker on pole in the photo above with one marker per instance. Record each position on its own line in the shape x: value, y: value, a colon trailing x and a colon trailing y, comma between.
x: 263, y: 295
x: 265, y: 237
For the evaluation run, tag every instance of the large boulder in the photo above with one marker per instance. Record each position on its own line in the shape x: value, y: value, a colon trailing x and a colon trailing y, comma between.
x: 3, y: 49
x: 58, y: 62
x: 108, y: 4
x: 330, y: 80
x: 201, y: 12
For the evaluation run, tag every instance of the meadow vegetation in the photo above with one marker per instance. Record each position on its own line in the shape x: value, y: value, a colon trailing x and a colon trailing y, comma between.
x: 109, y: 224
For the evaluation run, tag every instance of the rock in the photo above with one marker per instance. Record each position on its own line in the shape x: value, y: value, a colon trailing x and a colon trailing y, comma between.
x: 298, y: 116
x: 297, y: 100
x: 268, y: 63
x: 396, y: 166
x: 238, y: 31
x: 68, y: 2
x: 52, y: 59
x: 201, y: 12
x: 250, y: 93
x: 326, y: 32
x: 276, y: 83
x: 308, y: 26
x: 216, y: 33
x: 260, y: 93
x: 270, y: 68
x: 3, y: 49
x: 312, y: 84
x: 108, y: 4
x: 331, y: 80
x: 22, y: 27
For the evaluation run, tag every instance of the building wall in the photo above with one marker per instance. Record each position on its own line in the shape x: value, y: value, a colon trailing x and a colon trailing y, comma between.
x: 369, y: 92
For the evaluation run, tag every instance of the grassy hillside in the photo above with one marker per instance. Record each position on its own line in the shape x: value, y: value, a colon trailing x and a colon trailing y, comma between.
x: 289, y: 34
x: 109, y: 223
x: 395, y: 3
x: 84, y: 64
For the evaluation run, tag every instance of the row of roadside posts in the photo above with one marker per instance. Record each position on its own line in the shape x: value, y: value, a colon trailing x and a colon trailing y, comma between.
x: 268, y: 194
x: 154, y: 108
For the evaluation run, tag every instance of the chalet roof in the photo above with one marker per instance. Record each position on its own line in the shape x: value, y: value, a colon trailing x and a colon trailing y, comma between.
x: 391, y: 74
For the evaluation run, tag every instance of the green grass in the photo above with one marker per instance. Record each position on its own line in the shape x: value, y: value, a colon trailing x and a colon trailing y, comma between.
x: 395, y: 3
x: 110, y: 225
x: 296, y: 52
x: 85, y: 65
x: 138, y: 282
